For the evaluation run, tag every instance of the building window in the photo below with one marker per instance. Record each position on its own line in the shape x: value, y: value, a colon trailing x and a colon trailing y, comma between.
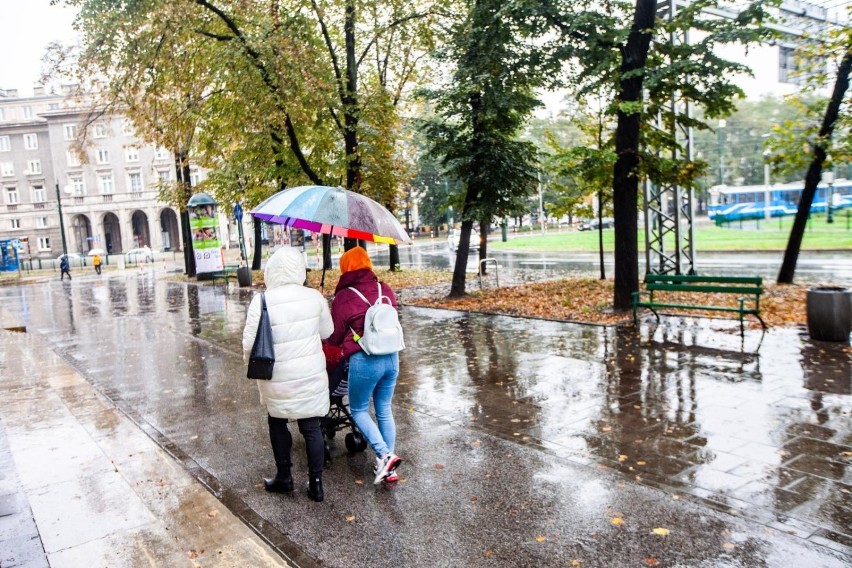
x: 33, y: 167
x: 100, y: 131
x: 41, y: 222
x: 72, y: 158
x: 2, y: 114
x: 131, y: 154
x: 7, y: 169
x: 194, y: 178
x: 5, y: 145
x: 39, y: 195
x: 31, y: 141
x: 103, y: 156
x: 787, y: 66
x: 11, y: 196
x: 105, y: 183
x: 127, y: 127
x: 14, y: 224
x: 161, y: 154
x: 28, y: 112
x: 78, y: 187
x: 164, y: 176
x: 70, y: 131
x: 53, y: 106
x: 135, y: 182
x: 44, y: 243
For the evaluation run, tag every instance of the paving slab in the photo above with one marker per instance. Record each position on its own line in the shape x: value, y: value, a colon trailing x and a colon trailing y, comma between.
x: 526, y: 442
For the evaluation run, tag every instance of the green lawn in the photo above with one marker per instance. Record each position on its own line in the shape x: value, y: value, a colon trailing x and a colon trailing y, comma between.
x: 751, y: 236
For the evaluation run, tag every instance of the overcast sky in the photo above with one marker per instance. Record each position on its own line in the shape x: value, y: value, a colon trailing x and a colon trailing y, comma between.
x: 26, y: 27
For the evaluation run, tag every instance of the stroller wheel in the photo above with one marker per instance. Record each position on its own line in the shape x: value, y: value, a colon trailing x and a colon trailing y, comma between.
x: 327, y: 451
x: 355, y: 442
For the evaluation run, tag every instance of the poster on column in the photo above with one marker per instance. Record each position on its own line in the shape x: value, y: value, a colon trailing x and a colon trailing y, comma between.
x: 205, y: 238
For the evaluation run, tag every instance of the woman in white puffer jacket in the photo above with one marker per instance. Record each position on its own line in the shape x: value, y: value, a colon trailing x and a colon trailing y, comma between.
x: 298, y: 390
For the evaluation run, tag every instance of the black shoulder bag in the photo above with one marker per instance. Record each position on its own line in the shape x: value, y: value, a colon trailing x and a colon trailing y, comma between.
x: 262, y: 357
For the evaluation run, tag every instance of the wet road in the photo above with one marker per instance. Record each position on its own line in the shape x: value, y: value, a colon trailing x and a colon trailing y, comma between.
x: 812, y: 267
x: 526, y: 442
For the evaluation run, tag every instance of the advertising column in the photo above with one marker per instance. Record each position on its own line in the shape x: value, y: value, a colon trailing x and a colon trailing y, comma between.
x: 203, y: 221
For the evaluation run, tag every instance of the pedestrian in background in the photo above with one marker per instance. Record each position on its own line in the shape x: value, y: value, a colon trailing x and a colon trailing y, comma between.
x: 64, y: 268
x: 96, y: 262
x: 298, y: 389
x: 371, y: 377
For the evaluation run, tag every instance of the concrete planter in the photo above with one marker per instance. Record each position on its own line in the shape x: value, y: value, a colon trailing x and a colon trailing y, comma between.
x: 829, y: 313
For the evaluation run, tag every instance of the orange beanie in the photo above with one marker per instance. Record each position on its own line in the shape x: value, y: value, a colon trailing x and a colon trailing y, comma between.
x: 355, y: 259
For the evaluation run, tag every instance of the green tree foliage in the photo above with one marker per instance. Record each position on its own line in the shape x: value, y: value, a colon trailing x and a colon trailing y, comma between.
x: 734, y: 148
x: 825, y: 62
x: 640, y: 56
x: 301, y: 91
x: 480, y: 111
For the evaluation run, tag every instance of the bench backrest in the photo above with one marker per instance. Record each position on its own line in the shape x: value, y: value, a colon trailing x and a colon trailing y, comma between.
x: 694, y: 278
x: 712, y: 284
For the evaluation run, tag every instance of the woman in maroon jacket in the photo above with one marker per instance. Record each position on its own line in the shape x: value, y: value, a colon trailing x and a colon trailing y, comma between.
x: 370, y: 376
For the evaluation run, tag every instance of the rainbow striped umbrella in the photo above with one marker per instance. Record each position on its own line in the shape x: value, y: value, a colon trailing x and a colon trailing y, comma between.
x: 332, y: 211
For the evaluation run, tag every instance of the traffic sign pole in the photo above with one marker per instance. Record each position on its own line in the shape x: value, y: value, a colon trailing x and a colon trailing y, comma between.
x: 238, y: 215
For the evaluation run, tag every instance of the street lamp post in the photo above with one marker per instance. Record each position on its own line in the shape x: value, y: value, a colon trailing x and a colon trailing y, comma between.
x: 541, y: 205
x: 767, y: 189
x: 721, y: 139
x: 61, y: 221
x: 829, y: 177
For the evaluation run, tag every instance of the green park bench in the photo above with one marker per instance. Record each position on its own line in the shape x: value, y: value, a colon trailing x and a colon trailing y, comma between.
x: 229, y: 271
x: 747, y: 288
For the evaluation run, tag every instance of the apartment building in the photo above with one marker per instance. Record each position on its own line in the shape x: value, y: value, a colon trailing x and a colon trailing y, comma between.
x: 108, y: 199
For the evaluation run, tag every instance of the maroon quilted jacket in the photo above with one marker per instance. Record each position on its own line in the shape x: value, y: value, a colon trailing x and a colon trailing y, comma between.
x: 348, y: 309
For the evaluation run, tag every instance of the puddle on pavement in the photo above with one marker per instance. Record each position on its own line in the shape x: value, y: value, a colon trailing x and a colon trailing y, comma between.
x: 682, y: 406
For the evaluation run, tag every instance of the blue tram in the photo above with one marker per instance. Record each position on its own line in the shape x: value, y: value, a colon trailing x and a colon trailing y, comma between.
x: 729, y: 203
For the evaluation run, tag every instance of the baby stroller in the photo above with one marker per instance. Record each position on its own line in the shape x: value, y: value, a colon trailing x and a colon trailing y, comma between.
x: 339, y: 417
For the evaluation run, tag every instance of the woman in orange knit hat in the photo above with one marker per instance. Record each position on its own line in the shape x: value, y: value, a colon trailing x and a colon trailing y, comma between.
x: 370, y: 376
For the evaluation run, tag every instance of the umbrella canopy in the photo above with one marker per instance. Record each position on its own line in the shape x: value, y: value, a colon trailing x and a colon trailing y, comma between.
x: 95, y: 251
x: 332, y: 211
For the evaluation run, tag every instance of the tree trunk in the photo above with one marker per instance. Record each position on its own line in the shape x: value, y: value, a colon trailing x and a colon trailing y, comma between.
x: 812, y: 178
x: 483, y: 246
x: 600, y: 233
x: 326, y: 252
x: 350, y: 102
x: 462, y: 253
x: 393, y: 254
x: 625, y: 186
x: 182, y: 173
x: 258, y: 246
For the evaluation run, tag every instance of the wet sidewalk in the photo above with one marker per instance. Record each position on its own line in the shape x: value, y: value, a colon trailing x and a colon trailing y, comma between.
x: 82, y: 485
x: 526, y: 442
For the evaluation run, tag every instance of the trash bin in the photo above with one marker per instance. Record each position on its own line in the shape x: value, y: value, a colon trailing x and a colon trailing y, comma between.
x: 244, y: 276
x: 829, y: 311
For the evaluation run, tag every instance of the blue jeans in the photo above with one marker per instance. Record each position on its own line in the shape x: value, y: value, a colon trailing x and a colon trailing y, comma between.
x: 374, y: 376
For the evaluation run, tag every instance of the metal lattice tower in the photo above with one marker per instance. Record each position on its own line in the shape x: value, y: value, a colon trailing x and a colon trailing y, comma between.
x: 669, y: 208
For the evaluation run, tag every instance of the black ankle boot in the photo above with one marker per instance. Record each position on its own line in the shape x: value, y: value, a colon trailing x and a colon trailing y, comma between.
x: 315, y: 491
x: 279, y: 484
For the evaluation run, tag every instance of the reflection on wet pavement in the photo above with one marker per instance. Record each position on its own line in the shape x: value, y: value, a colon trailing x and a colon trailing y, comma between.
x: 684, y: 407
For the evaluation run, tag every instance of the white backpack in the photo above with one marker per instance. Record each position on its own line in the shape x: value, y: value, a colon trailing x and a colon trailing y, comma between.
x: 382, y: 331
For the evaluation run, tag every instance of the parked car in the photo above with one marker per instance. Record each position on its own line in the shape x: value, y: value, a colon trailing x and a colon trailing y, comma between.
x: 454, y: 235
x: 140, y: 254
x: 592, y: 225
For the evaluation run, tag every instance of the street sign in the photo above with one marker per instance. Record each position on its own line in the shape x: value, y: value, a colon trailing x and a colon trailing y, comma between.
x: 238, y: 212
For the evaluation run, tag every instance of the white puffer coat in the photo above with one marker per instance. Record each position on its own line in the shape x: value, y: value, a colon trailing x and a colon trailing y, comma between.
x: 300, y: 319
